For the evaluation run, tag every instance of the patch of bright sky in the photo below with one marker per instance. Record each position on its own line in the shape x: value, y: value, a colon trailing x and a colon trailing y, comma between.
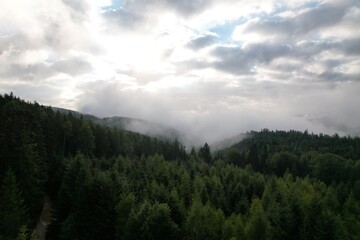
x: 311, y: 4
x: 224, y: 31
x: 51, y: 59
x: 113, y: 5
x: 4, y: 34
x: 226, y: 14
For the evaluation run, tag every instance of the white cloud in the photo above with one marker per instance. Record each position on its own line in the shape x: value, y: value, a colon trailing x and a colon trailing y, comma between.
x: 213, y: 68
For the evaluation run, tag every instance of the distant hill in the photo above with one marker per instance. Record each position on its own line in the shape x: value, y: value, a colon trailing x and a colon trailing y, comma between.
x: 225, y: 143
x: 76, y: 113
x: 130, y: 124
x: 299, y: 142
x: 141, y: 126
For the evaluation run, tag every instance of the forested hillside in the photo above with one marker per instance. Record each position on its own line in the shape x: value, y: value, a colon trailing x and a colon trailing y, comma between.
x: 106, y: 183
x: 129, y: 124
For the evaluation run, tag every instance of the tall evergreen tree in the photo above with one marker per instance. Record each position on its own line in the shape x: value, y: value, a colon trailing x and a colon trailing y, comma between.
x: 257, y: 224
x: 205, y: 153
x: 13, y: 214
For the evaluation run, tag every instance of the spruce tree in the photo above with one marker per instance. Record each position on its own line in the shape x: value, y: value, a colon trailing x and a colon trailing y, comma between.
x: 13, y: 214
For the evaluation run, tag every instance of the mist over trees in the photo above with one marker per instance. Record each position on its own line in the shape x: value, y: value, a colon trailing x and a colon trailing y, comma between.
x: 106, y: 183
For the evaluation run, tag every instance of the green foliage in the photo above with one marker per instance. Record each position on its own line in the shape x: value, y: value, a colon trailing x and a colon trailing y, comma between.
x: 257, y: 225
x: 151, y: 222
x: 113, y: 184
x: 329, y: 167
x: 25, y: 234
x: 13, y: 214
x: 96, y: 209
x: 351, y: 217
x: 22, y: 149
x: 233, y: 228
x: 234, y: 156
x: 282, y: 161
x: 204, y: 222
x: 68, y: 228
x: 253, y: 158
x: 205, y: 153
x: 177, y: 207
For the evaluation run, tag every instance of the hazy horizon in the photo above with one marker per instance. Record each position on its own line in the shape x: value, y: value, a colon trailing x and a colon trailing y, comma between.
x: 212, y: 69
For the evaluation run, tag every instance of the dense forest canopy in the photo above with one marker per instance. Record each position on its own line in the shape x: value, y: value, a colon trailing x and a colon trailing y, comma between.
x: 108, y: 183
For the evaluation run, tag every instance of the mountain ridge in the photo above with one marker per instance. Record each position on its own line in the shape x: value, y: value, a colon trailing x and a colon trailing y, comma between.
x: 149, y: 128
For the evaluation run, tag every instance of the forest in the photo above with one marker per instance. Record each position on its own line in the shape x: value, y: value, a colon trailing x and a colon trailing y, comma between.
x: 109, y: 183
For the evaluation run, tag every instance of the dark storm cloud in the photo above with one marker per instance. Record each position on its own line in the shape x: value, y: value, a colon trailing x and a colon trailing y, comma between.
x: 202, y: 41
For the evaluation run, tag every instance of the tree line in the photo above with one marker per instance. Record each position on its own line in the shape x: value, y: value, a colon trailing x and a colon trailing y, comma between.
x: 108, y: 183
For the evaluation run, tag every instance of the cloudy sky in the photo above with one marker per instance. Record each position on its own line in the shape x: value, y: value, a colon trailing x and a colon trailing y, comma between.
x: 214, y: 68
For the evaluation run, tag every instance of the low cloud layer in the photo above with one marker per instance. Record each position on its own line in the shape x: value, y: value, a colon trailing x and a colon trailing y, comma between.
x: 211, y: 69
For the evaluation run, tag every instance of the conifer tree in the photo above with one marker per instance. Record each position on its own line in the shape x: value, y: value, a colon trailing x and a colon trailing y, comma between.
x: 257, y: 224
x: 13, y: 214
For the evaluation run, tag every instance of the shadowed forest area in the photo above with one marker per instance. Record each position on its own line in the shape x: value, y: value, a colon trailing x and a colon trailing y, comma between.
x: 108, y: 183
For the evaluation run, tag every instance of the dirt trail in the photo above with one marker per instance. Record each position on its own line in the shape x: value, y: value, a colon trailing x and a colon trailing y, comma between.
x: 44, y: 220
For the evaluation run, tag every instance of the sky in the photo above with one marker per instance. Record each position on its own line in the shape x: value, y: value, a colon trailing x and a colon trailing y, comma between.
x: 210, y: 68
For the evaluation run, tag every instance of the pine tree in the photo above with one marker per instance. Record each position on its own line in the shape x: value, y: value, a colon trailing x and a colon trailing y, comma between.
x: 13, y: 214
x: 205, y: 153
x: 25, y: 234
x: 123, y: 209
x: 257, y: 224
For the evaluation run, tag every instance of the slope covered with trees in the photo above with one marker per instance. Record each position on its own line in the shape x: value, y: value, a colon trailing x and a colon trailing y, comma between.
x: 112, y: 184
